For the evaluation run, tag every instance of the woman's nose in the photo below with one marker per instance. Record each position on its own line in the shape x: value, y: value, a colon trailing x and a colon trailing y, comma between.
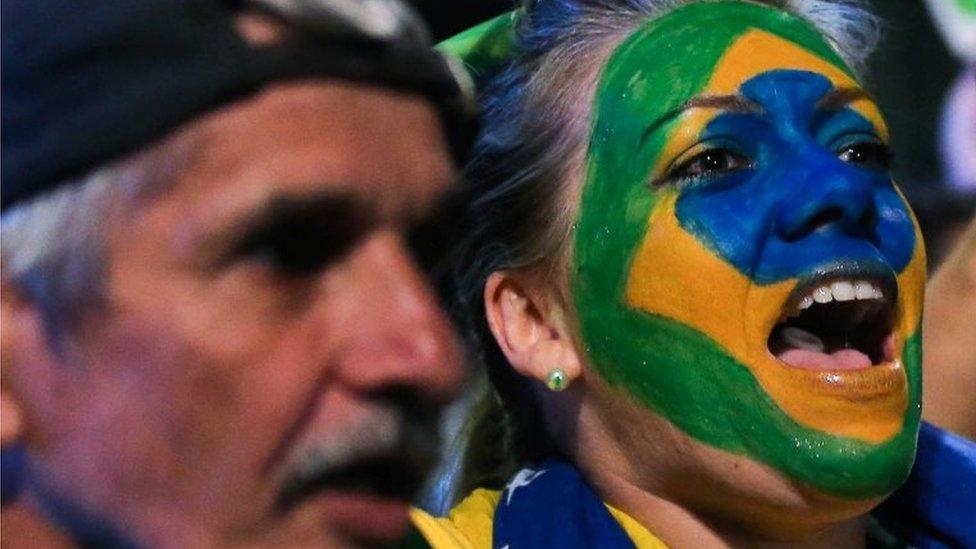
x: 838, y: 198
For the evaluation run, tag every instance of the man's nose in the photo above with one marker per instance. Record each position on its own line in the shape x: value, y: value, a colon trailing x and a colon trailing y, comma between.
x: 398, y: 337
x: 837, y: 197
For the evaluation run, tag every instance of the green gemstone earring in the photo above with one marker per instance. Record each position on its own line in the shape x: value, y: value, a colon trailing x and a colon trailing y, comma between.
x: 556, y: 380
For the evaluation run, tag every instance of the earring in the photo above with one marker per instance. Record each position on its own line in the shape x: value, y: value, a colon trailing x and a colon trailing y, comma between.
x: 556, y: 380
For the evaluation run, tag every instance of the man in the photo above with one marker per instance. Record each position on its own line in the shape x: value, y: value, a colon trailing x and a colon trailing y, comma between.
x: 214, y: 331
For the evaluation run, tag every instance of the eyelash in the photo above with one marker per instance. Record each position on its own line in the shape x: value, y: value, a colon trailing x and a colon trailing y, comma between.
x: 868, y: 153
x: 697, y: 167
x: 300, y: 240
x: 299, y: 258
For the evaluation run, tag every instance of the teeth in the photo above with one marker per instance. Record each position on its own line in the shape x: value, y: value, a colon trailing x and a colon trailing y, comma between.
x: 822, y: 295
x: 802, y: 339
x: 841, y: 290
x: 864, y: 290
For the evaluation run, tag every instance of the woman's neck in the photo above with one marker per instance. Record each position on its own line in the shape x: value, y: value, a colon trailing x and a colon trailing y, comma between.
x: 678, y: 526
x: 690, y: 494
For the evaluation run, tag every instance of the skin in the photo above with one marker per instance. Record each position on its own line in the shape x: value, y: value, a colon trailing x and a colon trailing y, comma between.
x: 676, y: 411
x: 950, y: 364
x: 212, y: 369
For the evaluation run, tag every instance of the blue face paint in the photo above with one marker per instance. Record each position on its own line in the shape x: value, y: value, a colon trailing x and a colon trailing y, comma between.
x: 798, y: 207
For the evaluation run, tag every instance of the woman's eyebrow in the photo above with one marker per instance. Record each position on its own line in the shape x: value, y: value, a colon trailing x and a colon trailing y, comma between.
x: 728, y: 103
x: 839, y: 98
x: 732, y: 103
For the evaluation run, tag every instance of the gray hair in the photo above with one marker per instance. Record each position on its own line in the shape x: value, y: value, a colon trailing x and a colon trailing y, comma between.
x: 523, y: 182
x: 53, y: 247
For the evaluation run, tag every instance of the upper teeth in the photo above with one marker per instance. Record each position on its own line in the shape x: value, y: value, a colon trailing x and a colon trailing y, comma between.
x: 841, y: 290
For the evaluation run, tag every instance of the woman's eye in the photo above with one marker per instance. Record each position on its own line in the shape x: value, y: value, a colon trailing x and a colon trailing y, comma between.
x: 868, y: 154
x: 709, y: 163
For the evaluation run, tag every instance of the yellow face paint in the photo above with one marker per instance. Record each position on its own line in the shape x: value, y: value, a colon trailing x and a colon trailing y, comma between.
x: 679, y: 281
x: 867, y: 405
x: 659, y: 281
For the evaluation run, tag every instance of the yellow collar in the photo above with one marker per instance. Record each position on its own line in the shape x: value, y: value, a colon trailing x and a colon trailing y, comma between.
x: 469, y: 524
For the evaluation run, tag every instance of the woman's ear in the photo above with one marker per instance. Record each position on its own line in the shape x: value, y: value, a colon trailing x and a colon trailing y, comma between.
x: 530, y: 328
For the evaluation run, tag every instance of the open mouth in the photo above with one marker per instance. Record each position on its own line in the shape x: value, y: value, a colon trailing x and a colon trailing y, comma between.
x: 837, y: 323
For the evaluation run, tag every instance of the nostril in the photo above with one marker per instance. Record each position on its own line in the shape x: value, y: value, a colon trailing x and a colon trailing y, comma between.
x: 868, y: 219
x: 850, y: 221
x: 823, y: 218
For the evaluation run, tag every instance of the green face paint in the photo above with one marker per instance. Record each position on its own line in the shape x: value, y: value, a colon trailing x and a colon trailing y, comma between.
x: 714, y: 380
x: 484, y: 48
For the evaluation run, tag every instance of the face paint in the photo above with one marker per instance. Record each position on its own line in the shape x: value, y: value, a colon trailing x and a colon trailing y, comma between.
x: 485, y: 48
x: 679, y: 286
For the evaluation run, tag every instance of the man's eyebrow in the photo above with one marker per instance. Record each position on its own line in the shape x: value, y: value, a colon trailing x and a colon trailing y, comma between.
x: 277, y: 218
x: 839, y: 98
x: 278, y: 209
x: 728, y: 103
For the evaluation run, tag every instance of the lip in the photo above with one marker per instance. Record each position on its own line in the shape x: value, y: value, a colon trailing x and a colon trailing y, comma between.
x: 865, y: 384
x: 872, y: 271
x: 879, y: 380
x: 359, y: 516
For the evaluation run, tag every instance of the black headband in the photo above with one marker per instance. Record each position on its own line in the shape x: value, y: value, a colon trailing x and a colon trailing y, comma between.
x: 84, y: 84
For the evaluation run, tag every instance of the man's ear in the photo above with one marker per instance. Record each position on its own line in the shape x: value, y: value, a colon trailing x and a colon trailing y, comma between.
x: 529, y: 328
x: 19, y: 319
x: 11, y: 416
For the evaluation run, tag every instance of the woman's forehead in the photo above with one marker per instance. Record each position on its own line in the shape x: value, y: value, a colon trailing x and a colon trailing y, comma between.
x: 712, y: 48
x: 757, y: 52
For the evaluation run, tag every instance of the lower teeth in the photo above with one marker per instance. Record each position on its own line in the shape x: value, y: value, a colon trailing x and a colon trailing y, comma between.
x: 799, y: 338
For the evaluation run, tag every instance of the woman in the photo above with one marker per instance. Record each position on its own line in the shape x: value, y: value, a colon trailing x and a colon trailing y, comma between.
x: 695, y: 287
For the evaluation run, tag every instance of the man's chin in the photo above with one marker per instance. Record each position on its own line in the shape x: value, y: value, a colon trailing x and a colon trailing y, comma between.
x: 359, y: 517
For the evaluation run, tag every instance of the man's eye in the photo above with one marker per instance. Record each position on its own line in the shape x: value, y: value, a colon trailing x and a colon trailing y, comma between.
x: 297, y: 255
x: 868, y: 154
x: 301, y: 238
x: 709, y: 163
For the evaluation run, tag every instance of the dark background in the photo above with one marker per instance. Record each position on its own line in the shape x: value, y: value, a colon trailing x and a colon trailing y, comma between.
x: 910, y: 74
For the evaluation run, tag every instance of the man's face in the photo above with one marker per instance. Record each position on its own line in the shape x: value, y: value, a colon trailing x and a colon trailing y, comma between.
x: 268, y: 363
x: 745, y: 266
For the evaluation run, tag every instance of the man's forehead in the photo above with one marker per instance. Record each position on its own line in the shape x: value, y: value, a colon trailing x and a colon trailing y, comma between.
x: 306, y: 140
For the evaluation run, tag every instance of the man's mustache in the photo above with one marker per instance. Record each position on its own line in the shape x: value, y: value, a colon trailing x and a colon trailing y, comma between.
x: 386, y: 454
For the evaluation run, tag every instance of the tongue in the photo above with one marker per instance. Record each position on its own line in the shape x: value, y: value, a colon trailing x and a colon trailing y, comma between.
x: 806, y: 350
x: 844, y: 359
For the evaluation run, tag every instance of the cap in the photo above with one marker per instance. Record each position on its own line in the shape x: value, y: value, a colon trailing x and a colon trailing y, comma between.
x: 84, y: 84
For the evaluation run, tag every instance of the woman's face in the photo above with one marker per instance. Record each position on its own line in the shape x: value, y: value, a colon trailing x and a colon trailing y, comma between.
x: 744, y: 265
